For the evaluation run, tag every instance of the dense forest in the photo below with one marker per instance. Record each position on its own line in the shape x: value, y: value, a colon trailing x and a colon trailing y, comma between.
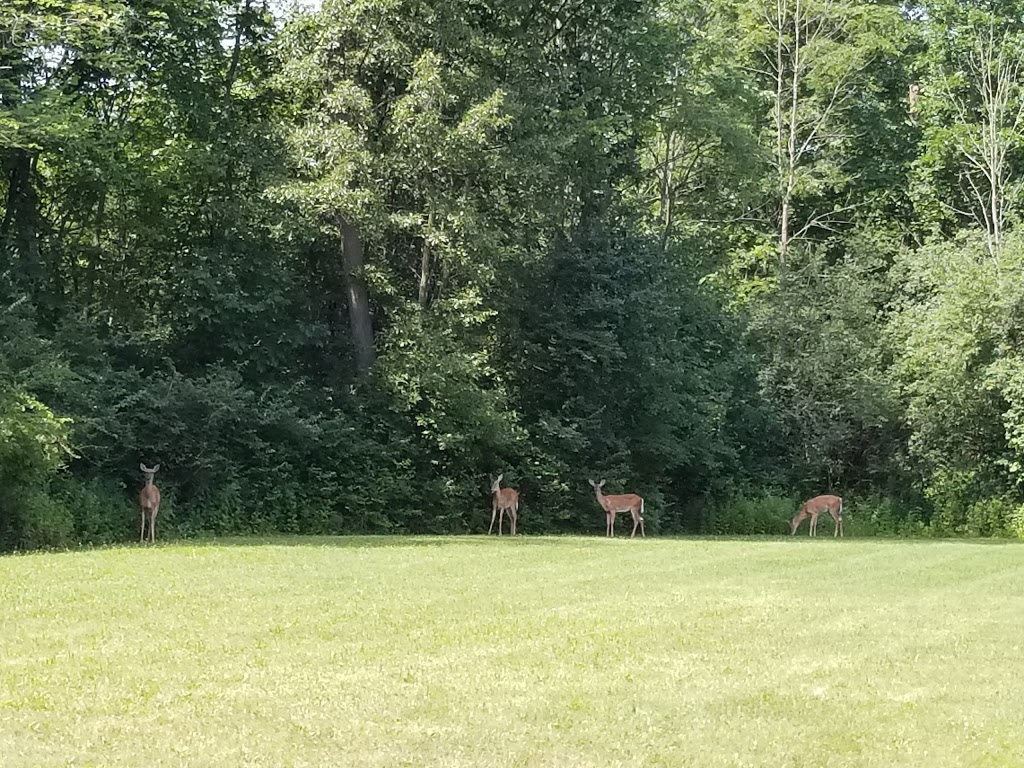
x: 335, y: 267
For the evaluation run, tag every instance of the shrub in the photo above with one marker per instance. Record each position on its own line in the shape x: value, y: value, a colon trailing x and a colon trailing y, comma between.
x: 33, y: 444
x: 101, y: 509
x: 45, y: 522
x: 990, y: 517
x: 1015, y: 524
x: 741, y: 515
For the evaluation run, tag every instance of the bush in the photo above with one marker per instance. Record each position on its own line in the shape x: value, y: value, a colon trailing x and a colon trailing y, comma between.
x: 874, y: 515
x: 990, y: 517
x: 744, y: 515
x: 46, y: 522
x: 1015, y: 525
x: 32, y: 519
x: 33, y: 444
x: 102, y: 510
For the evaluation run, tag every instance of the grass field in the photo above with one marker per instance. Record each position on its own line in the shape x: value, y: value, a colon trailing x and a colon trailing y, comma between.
x: 526, y: 652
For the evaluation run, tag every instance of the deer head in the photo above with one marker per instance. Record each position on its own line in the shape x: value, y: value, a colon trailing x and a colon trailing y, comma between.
x: 149, y: 472
x: 596, y: 486
x: 496, y: 484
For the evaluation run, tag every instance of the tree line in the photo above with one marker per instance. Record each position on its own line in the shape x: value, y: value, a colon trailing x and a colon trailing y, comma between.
x: 335, y: 267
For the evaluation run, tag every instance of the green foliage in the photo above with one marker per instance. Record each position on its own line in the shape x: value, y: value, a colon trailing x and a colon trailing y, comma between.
x: 823, y: 368
x: 745, y: 515
x: 34, y: 440
x: 102, y: 510
x: 874, y: 514
x: 334, y: 269
x: 38, y: 520
x: 972, y: 140
x: 957, y: 329
x: 990, y: 517
x: 1015, y: 523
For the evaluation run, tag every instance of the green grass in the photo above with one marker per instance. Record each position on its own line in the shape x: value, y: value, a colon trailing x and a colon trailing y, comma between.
x: 527, y: 652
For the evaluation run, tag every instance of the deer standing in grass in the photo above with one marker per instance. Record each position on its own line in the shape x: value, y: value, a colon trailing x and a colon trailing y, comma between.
x: 503, y: 499
x: 149, y: 500
x: 831, y: 504
x: 612, y: 505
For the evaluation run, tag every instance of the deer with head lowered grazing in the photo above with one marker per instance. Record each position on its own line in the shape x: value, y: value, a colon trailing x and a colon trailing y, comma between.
x: 149, y: 500
x: 612, y: 505
x: 831, y: 504
x: 503, y: 499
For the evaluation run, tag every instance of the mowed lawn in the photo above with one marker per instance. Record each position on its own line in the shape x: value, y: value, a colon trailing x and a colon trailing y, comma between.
x: 526, y: 652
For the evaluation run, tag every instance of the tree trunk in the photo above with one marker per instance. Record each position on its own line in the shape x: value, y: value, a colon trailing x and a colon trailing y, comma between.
x: 18, y: 228
x: 424, y: 293
x: 667, y: 192
x: 358, y: 301
x: 236, y: 50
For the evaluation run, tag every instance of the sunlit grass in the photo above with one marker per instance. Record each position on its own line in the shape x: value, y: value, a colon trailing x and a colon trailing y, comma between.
x: 527, y: 652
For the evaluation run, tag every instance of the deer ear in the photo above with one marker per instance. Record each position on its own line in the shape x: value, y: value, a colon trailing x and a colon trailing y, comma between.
x: 499, y: 478
x: 156, y: 468
x: 143, y: 467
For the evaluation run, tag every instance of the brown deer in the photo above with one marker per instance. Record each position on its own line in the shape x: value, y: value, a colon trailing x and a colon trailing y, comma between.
x: 503, y: 499
x: 612, y: 505
x: 149, y: 500
x: 814, y: 507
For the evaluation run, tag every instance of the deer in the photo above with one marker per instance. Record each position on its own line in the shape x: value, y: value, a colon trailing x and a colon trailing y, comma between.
x: 612, y: 505
x: 814, y: 507
x: 503, y: 499
x: 149, y: 500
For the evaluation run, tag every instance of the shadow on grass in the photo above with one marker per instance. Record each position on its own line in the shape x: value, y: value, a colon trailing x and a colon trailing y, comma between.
x: 483, y: 540
x: 881, y: 538
x: 383, y: 540
x: 548, y: 540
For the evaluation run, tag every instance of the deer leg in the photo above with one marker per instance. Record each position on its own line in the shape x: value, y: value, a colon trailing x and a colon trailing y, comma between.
x: 514, y: 514
x: 636, y: 522
x: 152, y: 526
x: 142, y: 531
x: 494, y: 511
